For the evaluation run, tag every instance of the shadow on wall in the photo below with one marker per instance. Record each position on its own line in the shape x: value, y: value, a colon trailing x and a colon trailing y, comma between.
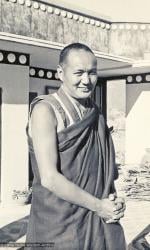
x: 133, y: 91
x: 14, y: 83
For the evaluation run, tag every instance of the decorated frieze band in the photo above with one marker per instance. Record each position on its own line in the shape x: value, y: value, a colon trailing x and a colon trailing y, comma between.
x: 130, y: 26
x: 130, y: 79
x: 138, y: 78
x: 59, y: 11
x: 83, y: 18
x: 43, y: 73
x: 9, y: 57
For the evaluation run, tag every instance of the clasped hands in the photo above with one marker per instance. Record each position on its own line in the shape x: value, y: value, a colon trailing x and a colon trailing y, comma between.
x: 111, y: 209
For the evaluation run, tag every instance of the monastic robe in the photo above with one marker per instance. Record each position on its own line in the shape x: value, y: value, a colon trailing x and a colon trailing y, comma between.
x: 86, y: 158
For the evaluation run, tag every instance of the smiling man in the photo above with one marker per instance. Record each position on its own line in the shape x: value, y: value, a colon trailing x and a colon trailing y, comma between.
x: 73, y: 205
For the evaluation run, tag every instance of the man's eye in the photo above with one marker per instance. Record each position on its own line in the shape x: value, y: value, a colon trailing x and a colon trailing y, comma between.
x: 78, y: 73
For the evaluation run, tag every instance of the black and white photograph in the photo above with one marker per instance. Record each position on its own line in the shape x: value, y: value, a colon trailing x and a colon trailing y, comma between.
x: 74, y: 125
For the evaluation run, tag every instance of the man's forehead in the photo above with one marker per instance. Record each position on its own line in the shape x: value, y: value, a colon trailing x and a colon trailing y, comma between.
x: 79, y: 57
x: 78, y: 52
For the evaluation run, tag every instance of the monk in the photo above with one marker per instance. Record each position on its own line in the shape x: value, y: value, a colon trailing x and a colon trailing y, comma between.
x: 74, y: 205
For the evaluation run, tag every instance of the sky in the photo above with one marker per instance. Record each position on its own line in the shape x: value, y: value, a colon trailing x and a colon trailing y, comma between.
x: 118, y: 10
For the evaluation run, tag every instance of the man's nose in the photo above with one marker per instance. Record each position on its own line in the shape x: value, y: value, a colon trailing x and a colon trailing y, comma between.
x: 85, y: 78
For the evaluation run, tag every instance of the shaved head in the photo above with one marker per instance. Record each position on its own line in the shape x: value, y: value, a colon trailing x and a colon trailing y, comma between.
x: 74, y: 46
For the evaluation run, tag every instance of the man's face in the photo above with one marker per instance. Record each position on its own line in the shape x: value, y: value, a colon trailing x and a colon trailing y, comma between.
x: 79, y: 74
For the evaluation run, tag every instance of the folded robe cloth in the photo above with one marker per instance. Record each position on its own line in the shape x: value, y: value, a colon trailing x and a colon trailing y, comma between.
x: 86, y: 157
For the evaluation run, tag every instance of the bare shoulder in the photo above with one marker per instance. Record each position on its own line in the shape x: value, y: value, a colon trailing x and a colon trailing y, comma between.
x: 43, y: 113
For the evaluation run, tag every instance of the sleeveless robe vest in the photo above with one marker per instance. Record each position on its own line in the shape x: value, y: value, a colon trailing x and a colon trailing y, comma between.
x: 86, y: 157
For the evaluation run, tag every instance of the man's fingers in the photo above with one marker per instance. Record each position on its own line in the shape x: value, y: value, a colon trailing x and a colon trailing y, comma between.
x: 115, y: 218
x: 112, y: 197
x: 118, y: 216
x: 111, y: 221
x: 118, y: 207
x: 119, y: 200
x: 119, y: 211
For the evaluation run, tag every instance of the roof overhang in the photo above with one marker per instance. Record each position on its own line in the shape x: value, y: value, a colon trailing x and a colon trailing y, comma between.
x: 124, y: 68
x: 111, y: 65
x: 108, y: 65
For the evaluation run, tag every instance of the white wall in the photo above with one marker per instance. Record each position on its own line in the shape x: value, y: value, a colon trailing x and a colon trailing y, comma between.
x: 116, y: 109
x: 14, y: 163
x: 137, y: 122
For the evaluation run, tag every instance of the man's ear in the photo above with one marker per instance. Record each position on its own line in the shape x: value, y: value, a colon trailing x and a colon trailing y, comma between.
x: 60, y: 72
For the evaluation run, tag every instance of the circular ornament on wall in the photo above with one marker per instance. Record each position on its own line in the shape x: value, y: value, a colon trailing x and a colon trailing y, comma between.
x: 75, y: 17
x: 36, y: 5
x: 57, y: 12
x: 1, y: 57
x: 130, y: 79
x: 32, y: 72
x: 41, y: 73
x: 11, y: 58
x: 139, y: 78
x: 50, y: 9
x: 49, y: 74
x: 43, y: 7
x: 22, y: 59
x: 63, y: 13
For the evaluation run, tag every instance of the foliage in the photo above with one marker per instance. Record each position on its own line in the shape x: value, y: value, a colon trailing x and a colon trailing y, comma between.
x: 17, y: 194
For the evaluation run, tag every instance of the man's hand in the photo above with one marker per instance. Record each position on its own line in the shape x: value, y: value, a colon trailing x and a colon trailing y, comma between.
x: 111, y: 209
x: 105, y: 209
x: 119, y: 208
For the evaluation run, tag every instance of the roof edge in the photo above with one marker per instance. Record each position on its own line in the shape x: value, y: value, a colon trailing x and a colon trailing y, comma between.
x: 78, y: 10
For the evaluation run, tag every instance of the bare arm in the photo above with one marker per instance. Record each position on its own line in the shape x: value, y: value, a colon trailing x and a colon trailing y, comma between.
x: 44, y: 135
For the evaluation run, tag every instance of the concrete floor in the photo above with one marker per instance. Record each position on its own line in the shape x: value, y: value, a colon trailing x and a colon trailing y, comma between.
x: 137, y: 217
x: 137, y: 214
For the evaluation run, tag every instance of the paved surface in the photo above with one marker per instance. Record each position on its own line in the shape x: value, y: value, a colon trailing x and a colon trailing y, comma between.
x: 137, y: 217
x: 137, y: 214
x: 12, y: 222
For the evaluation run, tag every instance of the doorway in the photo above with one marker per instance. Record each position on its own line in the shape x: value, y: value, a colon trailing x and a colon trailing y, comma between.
x: 100, y: 96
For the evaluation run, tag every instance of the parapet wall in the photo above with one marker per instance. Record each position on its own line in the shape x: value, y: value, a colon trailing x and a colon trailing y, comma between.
x: 44, y: 21
x: 130, y: 40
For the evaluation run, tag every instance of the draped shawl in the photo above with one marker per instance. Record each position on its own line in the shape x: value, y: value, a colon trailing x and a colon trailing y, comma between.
x: 86, y: 157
